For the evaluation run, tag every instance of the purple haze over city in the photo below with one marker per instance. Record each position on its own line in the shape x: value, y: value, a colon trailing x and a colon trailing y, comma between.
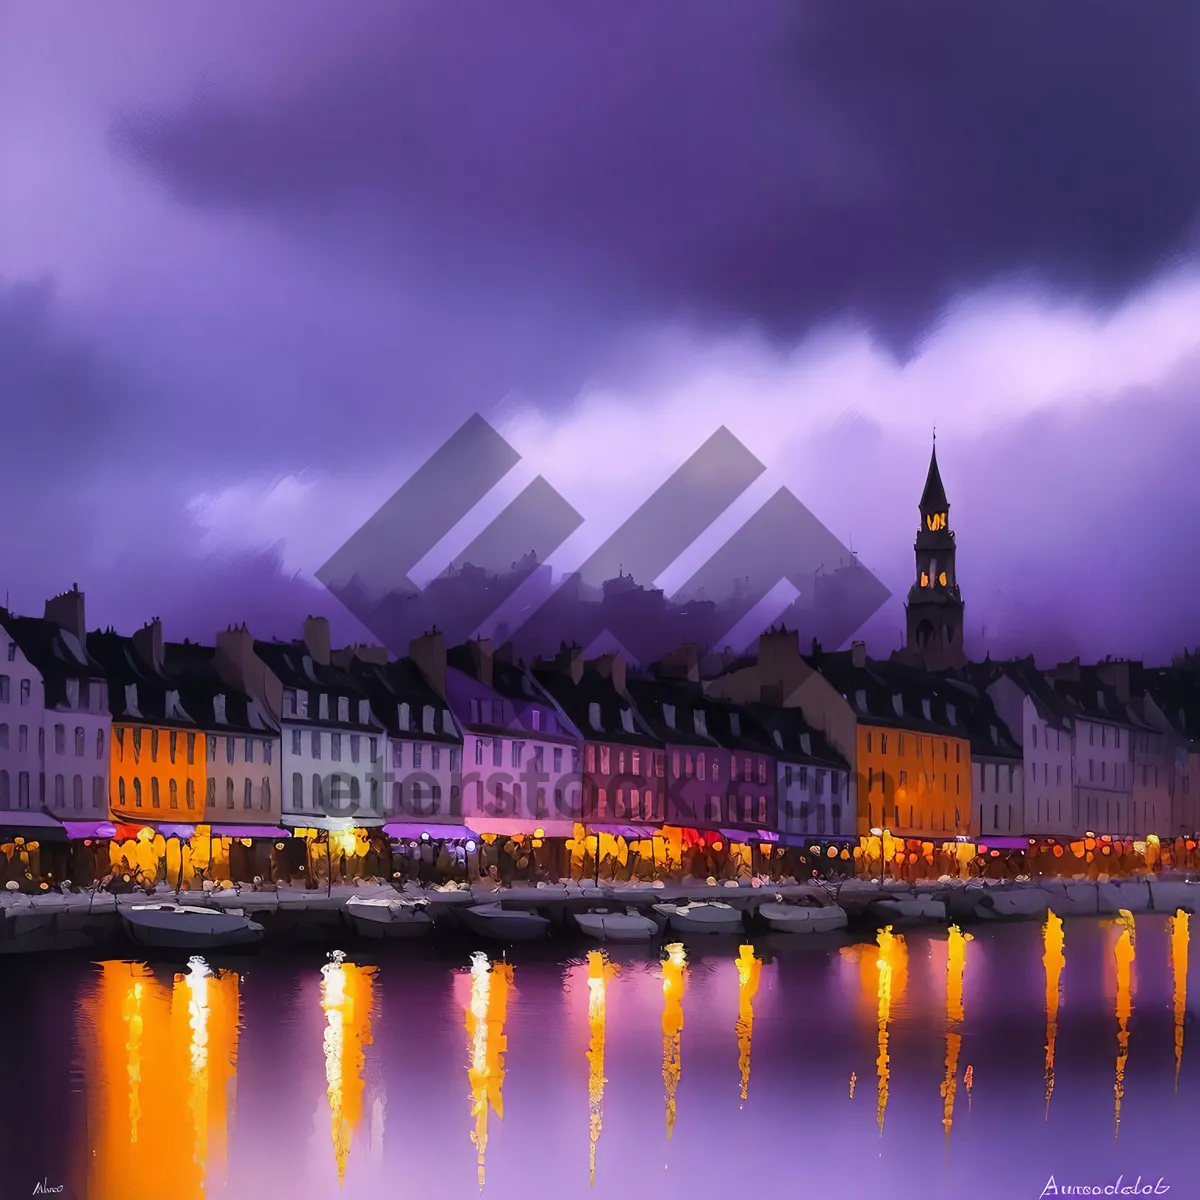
x: 255, y: 270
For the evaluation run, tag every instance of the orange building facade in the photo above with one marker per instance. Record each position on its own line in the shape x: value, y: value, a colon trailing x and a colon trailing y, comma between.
x: 156, y: 774
x: 913, y: 784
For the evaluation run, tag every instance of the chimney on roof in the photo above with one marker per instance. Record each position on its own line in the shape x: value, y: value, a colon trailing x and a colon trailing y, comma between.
x: 481, y: 660
x: 612, y: 667
x: 683, y: 663
x: 858, y: 654
x: 316, y: 639
x: 66, y: 611
x: 1116, y: 675
x: 148, y: 642
x: 429, y: 653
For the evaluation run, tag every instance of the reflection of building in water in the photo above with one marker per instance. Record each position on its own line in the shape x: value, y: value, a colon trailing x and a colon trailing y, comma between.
x: 159, y: 1066
x: 956, y: 957
x: 1055, y: 960
x: 674, y: 977
x: 599, y: 973
x: 346, y: 997
x: 749, y: 968
x: 487, y: 1012
x: 891, y: 961
x: 1124, y: 953
x: 1179, y: 969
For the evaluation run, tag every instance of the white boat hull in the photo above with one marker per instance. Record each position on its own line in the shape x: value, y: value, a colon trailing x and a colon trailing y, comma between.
x: 796, y: 918
x: 616, y: 927
x: 389, y: 920
x: 701, y: 918
x: 168, y: 927
x: 505, y: 925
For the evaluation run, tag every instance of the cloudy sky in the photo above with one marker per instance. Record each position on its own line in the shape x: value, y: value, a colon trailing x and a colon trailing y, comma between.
x: 254, y: 269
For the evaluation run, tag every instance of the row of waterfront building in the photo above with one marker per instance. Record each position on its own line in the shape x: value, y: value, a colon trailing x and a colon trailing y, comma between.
x: 107, y: 735
x: 694, y: 762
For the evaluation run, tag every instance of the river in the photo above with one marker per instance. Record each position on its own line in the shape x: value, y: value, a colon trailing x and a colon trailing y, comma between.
x: 929, y: 1065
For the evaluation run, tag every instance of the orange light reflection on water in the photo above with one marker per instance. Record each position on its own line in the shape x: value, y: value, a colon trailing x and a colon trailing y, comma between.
x: 749, y: 969
x: 674, y: 976
x: 487, y: 1012
x: 1055, y: 961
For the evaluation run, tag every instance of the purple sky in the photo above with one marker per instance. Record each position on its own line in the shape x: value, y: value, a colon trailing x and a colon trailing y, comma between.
x: 254, y: 270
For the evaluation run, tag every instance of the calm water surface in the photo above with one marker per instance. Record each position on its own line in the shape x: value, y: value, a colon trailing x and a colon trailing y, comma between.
x: 929, y: 1065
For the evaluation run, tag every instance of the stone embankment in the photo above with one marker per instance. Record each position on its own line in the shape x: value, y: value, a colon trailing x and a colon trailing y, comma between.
x: 55, y: 921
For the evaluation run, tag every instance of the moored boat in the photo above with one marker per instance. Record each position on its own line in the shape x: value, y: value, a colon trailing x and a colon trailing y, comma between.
x: 389, y: 917
x: 502, y: 924
x: 606, y: 926
x: 166, y: 925
x: 802, y: 918
x: 704, y: 916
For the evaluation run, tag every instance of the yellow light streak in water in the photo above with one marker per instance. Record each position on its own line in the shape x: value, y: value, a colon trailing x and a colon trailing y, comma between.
x: 487, y: 1011
x: 674, y: 969
x: 969, y: 1080
x: 196, y: 984
x: 892, y: 952
x: 956, y: 958
x: 1054, y: 960
x: 600, y: 971
x: 1179, y: 969
x: 853, y: 1081
x: 749, y: 969
x: 204, y: 1016
x: 1124, y: 952
x: 346, y: 993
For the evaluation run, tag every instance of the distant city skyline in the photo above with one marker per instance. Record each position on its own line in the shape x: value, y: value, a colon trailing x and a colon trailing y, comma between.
x: 257, y: 271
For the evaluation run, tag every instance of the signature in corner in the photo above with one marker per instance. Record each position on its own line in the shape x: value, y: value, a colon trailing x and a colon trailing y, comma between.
x: 44, y: 1189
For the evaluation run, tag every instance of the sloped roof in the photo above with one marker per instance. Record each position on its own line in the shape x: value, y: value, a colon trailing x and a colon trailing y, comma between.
x: 576, y: 699
x: 55, y: 653
x: 192, y: 670
x: 933, y: 498
x: 797, y: 741
x: 388, y: 685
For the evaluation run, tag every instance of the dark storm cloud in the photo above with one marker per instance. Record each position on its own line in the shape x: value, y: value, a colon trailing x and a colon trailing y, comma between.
x: 757, y: 160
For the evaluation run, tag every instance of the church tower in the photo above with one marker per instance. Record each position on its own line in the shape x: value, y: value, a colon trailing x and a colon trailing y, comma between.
x: 934, y: 612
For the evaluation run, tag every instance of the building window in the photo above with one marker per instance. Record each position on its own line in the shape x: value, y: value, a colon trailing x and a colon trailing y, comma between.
x: 12, y: 652
x: 265, y: 802
x: 397, y: 754
x: 173, y: 789
x: 318, y: 796
x: 190, y: 793
x: 229, y: 798
x: 191, y: 751
x: 266, y: 746
x: 335, y: 747
x: 297, y: 746
x: 248, y: 795
x: 354, y: 747
x: 316, y: 744
x: 4, y: 693
x: 25, y: 689
x: 298, y: 790
x: 343, y: 709
x: 98, y: 797
x: 121, y: 791
x: 416, y: 756
x: 60, y: 739
x: 60, y: 792
x: 518, y: 751
x: 497, y: 752
x: 79, y: 741
x: 558, y: 759
x: 137, y: 793
x: 230, y: 750
x: 155, y: 798
x: 868, y: 741
x: 479, y: 752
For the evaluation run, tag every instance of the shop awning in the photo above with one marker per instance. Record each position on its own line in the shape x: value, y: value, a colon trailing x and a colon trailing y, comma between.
x: 412, y: 831
x: 631, y: 833
x: 125, y: 831
x: 331, y: 824
x: 522, y: 827
x: 1002, y: 843
x: 32, y: 826
x: 89, y: 829
x: 249, y: 831
x: 744, y: 836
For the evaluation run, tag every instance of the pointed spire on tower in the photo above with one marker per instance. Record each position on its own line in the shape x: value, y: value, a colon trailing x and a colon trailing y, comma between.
x: 933, y: 498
